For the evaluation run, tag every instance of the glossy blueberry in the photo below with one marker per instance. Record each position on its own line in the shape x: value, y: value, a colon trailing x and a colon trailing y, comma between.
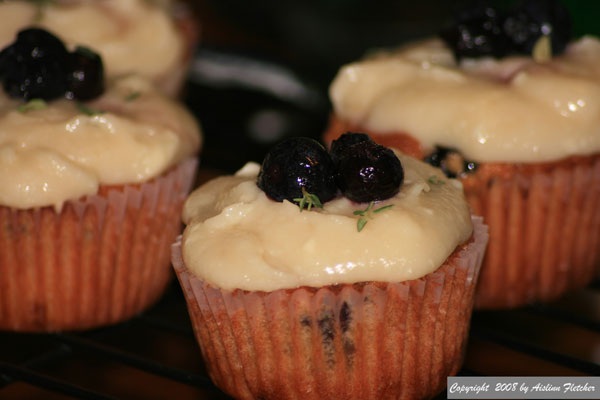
x: 477, y: 32
x: 345, y: 142
x: 531, y: 19
x: 34, y: 66
x: 368, y: 172
x: 85, y: 79
x: 297, y: 163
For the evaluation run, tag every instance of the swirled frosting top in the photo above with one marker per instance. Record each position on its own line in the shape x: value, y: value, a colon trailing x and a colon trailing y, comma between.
x: 65, y: 150
x: 237, y: 238
x: 130, y: 35
x: 508, y: 110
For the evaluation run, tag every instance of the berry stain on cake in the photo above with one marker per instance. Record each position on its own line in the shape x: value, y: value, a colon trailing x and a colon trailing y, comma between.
x: 450, y: 161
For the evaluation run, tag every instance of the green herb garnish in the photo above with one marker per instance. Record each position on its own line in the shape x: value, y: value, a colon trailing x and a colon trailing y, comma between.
x: 367, y: 214
x: 308, y: 200
x: 88, y: 110
x: 132, y: 96
x: 31, y: 105
x: 542, y: 49
x: 361, y: 223
x: 434, y: 180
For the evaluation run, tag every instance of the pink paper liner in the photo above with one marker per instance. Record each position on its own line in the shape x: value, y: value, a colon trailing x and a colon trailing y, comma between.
x: 369, y: 340
x: 100, y: 260
x: 544, y: 233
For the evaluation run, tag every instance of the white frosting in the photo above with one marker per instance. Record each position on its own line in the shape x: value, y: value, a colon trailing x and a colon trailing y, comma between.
x: 510, y: 110
x: 58, y: 153
x: 236, y: 237
x: 130, y: 35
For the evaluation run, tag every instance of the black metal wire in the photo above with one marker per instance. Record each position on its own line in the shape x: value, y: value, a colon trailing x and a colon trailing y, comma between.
x: 163, y: 325
x: 60, y: 351
x: 574, y: 363
x: 137, y: 362
x: 15, y: 372
x: 565, y: 316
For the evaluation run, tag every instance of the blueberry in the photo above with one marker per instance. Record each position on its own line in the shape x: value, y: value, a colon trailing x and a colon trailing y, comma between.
x: 85, y: 79
x: 368, y: 172
x: 346, y: 141
x: 477, y: 32
x: 6, y: 60
x: 450, y: 161
x: 297, y: 163
x: 34, y: 66
x: 531, y: 19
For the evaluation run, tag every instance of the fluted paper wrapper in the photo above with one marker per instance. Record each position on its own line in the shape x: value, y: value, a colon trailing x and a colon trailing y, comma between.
x: 372, y: 340
x: 98, y: 261
x: 544, y: 231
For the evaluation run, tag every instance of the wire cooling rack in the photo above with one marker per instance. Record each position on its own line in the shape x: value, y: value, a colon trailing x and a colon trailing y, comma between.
x: 155, y: 355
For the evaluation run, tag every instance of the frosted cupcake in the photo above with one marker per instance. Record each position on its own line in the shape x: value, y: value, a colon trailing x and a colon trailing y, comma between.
x: 154, y: 39
x: 522, y: 134
x: 299, y: 291
x: 91, y: 189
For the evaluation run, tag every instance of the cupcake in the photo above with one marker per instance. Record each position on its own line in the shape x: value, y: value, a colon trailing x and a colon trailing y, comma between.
x: 155, y: 39
x: 298, y: 289
x: 519, y: 130
x: 91, y: 189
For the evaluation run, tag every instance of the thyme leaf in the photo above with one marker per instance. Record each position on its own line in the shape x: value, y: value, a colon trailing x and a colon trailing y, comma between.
x: 542, y: 49
x: 434, y: 180
x: 31, y: 105
x: 308, y: 200
x: 132, y: 96
x: 380, y: 209
x: 88, y: 110
x: 361, y: 224
x: 367, y: 214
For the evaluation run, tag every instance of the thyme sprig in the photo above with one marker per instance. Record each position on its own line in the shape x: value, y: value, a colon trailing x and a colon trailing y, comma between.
x: 308, y: 200
x: 88, y: 110
x: 32, y: 105
x: 434, y: 180
x: 542, y: 49
x: 367, y: 214
x: 132, y: 96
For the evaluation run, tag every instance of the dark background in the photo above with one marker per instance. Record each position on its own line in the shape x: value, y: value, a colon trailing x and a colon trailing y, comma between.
x: 277, y: 57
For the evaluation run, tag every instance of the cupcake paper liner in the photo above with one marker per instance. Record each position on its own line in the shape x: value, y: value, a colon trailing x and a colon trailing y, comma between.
x: 544, y: 223
x: 98, y: 261
x: 371, y: 340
